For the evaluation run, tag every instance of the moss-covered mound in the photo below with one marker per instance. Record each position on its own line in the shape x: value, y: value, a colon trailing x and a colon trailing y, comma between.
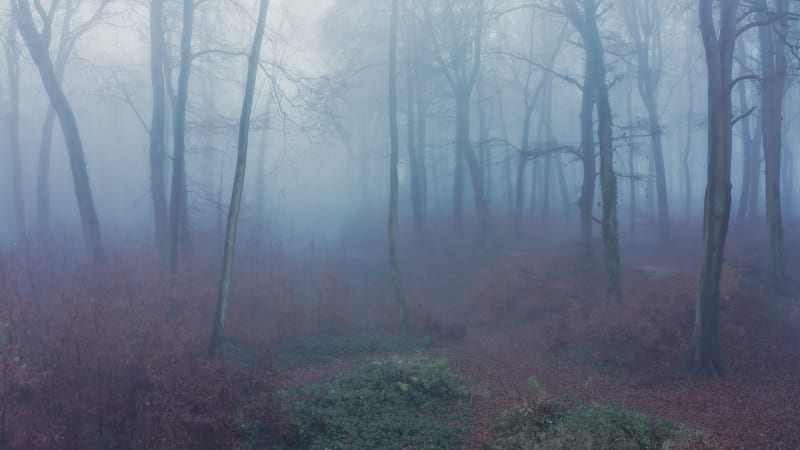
x: 399, y: 403
x: 547, y: 426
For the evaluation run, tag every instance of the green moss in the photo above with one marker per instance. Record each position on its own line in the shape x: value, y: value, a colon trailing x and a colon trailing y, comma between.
x: 400, y: 403
x: 546, y: 426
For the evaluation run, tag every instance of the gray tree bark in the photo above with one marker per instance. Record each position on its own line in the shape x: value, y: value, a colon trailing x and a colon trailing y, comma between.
x: 37, y: 46
x: 238, y: 181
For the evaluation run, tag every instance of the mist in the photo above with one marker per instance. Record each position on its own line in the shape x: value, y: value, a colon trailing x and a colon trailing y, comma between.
x: 399, y: 224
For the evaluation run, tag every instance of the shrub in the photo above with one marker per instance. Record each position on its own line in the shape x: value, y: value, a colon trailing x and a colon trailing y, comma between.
x: 398, y: 403
x: 546, y: 425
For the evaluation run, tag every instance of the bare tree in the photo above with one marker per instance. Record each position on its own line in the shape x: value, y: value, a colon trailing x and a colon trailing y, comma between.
x: 719, y: 39
x: 178, y: 190
x: 37, y: 43
x: 12, y: 61
x: 773, y: 87
x: 238, y: 181
x: 458, y: 53
x: 644, y: 21
x: 157, y: 125
x: 585, y: 21
x: 393, y: 177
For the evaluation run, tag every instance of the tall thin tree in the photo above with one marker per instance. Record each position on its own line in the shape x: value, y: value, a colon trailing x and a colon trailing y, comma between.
x: 238, y: 181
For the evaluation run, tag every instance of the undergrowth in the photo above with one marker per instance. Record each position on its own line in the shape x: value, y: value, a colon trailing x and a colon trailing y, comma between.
x: 549, y: 426
x: 398, y: 403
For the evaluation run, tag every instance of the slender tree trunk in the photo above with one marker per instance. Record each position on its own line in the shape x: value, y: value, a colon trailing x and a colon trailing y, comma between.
x: 755, y: 172
x: 83, y: 192
x: 413, y: 156
x: 238, y: 181
x: 608, y: 178
x: 46, y: 144
x: 393, y: 177
x: 522, y: 160
x: 687, y: 150
x: 705, y: 353
x: 178, y: 190
x: 589, y: 159
x: 12, y: 62
x: 747, y: 151
x: 421, y: 160
x: 158, y: 122
x: 773, y: 81
x: 458, y: 179
x: 468, y: 155
x: 651, y: 104
x: 483, y: 137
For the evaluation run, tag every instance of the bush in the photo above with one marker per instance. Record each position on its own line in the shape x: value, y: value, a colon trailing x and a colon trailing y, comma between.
x: 398, y: 403
x: 585, y: 426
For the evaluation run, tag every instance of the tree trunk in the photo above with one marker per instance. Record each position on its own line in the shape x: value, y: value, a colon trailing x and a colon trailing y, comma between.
x: 476, y: 175
x: 608, y: 179
x: 12, y: 62
x: 157, y: 126
x: 747, y: 163
x: 421, y: 134
x: 687, y: 150
x: 46, y: 144
x: 238, y: 181
x: 522, y: 160
x: 705, y: 353
x: 773, y: 82
x: 589, y: 161
x: 178, y: 190
x: 393, y: 177
x: 83, y: 192
x: 413, y: 157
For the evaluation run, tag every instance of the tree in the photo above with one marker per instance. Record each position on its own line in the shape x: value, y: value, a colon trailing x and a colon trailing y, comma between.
x: 718, y: 42
x: 157, y: 125
x: 643, y: 21
x: 37, y: 44
x: 238, y: 181
x: 69, y: 35
x: 393, y: 163
x: 773, y: 87
x: 12, y: 61
x: 458, y: 54
x: 178, y: 190
x: 585, y: 21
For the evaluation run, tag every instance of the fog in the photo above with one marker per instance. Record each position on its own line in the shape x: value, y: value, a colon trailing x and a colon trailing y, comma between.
x: 557, y: 210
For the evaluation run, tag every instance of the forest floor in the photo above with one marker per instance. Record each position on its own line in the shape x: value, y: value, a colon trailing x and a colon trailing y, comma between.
x: 100, y: 360
x: 544, y: 318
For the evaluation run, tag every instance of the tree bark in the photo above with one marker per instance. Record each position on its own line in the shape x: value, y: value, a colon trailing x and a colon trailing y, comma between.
x: 747, y: 163
x: 608, y: 178
x: 718, y: 46
x: 178, y: 190
x: 393, y: 177
x: 238, y: 181
x: 157, y: 127
x: 773, y: 85
x: 12, y: 62
x: 83, y: 192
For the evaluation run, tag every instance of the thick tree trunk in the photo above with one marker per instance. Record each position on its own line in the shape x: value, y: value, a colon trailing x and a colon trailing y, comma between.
x: 705, y: 353
x: 687, y: 149
x: 238, y: 181
x: 12, y: 62
x: 393, y: 177
x: 157, y: 127
x: 83, y: 192
x: 178, y: 189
